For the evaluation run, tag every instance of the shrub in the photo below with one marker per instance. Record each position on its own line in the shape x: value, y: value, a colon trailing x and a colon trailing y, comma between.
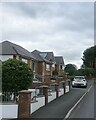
x: 16, y: 75
x: 55, y: 72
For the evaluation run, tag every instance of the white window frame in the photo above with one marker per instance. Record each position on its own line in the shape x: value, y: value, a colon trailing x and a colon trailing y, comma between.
x: 24, y: 60
x: 47, y: 67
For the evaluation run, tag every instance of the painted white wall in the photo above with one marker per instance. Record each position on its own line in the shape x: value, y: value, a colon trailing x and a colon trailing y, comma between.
x: 61, y: 91
x: 40, y: 102
x: 52, y: 97
x: 9, y: 111
x: 5, y: 57
x: 67, y: 89
x: 0, y: 112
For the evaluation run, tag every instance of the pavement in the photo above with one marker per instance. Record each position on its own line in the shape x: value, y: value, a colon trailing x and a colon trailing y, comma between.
x: 85, y: 109
x: 59, y: 107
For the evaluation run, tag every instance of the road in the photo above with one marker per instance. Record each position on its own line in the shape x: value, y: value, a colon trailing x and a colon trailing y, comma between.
x: 85, y: 109
x: 59, y: 108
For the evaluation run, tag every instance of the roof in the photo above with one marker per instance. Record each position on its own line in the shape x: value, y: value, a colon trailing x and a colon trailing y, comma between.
x: 59, y: 60
x: 48, y: 55
x: 9, y: 48
x: 40, y: 56
x: 36, y: 53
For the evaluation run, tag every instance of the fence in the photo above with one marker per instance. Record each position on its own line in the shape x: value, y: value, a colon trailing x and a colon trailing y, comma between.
x: 11, y: 96
x: 37, y: 101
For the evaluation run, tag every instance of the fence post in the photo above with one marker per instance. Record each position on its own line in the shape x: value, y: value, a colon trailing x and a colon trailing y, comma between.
x: 56, y: 89
x: 69, y: 84
x: 64, y: 87
x: 45, y: 93
x: 24, y: 104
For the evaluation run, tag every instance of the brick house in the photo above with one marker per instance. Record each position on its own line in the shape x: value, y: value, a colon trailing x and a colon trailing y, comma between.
x: 44, y: 67
x: 42, y: 63
x: 59, y: 65
x: 13, y: 51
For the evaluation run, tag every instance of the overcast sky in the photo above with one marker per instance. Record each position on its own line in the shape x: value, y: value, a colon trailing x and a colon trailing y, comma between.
x: 67, y: 29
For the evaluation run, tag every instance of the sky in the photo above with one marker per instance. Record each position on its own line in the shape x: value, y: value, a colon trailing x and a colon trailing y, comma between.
x: 66, y: 28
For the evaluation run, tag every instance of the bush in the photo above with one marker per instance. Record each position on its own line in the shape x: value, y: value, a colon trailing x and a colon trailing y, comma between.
x: 55, y: 72
x: 16, y: 75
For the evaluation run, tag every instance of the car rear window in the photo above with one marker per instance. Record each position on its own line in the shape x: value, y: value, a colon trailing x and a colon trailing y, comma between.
x: 79, y: 77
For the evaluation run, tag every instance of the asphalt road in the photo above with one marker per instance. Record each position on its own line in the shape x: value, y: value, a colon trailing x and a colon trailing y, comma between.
x: 85, y: 109
x: 59, y: 107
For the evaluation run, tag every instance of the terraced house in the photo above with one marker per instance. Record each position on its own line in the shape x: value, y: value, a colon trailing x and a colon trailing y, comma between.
x: 45, y: 66
x: 42, y: 63
x: 59, y: 65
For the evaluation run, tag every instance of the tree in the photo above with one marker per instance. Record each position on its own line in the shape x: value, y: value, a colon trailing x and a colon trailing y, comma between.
x: 81, y: 72
x: 89, y: 72
x: 16, y: 75
x: 89, y: 60
x: 89, y: 57
x: 71, y: 69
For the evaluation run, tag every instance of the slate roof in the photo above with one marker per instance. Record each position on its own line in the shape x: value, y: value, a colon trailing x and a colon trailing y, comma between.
x: 49, y: 56
x: 59, y: 60
x: 41, y: 56
x: 36, y: 53
x: 9, y: 48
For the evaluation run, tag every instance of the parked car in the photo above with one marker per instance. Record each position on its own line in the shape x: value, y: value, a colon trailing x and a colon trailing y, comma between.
x: 35, y: 80
x: 79, y: 81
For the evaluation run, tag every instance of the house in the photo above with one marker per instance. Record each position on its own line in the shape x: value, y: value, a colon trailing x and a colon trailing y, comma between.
x: 11, y: 50
x: 43, y: 69
x: 50, y: 57
x: 42, y: 63
x: 59, y: 66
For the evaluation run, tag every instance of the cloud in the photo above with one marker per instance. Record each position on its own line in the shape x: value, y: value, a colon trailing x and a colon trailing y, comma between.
x: 64, y: 28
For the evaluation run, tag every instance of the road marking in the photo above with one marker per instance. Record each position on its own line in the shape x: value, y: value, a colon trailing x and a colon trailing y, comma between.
x: 70, y: 111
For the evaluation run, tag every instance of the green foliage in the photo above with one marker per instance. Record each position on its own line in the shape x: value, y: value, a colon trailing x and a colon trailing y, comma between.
x: 89, y: 61
x: 89, y: 57
x: 89, y: 72
x: 55, y: 72
x: 71, y: 69
x: 81, y: 72
x: 16, y: 75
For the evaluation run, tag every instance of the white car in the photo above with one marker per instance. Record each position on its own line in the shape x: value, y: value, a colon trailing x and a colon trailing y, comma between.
x: 79, y: 81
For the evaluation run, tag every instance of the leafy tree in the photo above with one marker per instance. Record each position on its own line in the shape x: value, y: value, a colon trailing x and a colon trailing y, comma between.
x: 71, y: 69
x: 89, y: 72
x: 89, y: 57
x: 16, y: 75
x: 81, y: 71
x: 89, y: 61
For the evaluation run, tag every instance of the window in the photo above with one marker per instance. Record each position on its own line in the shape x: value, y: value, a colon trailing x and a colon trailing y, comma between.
x: 53, y: 65
x: 14, y: 56
x: 61, y: 67
x: 48, y: 67
x: 24, y: 60
x: 33, y: 67
x: 5, y: 57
